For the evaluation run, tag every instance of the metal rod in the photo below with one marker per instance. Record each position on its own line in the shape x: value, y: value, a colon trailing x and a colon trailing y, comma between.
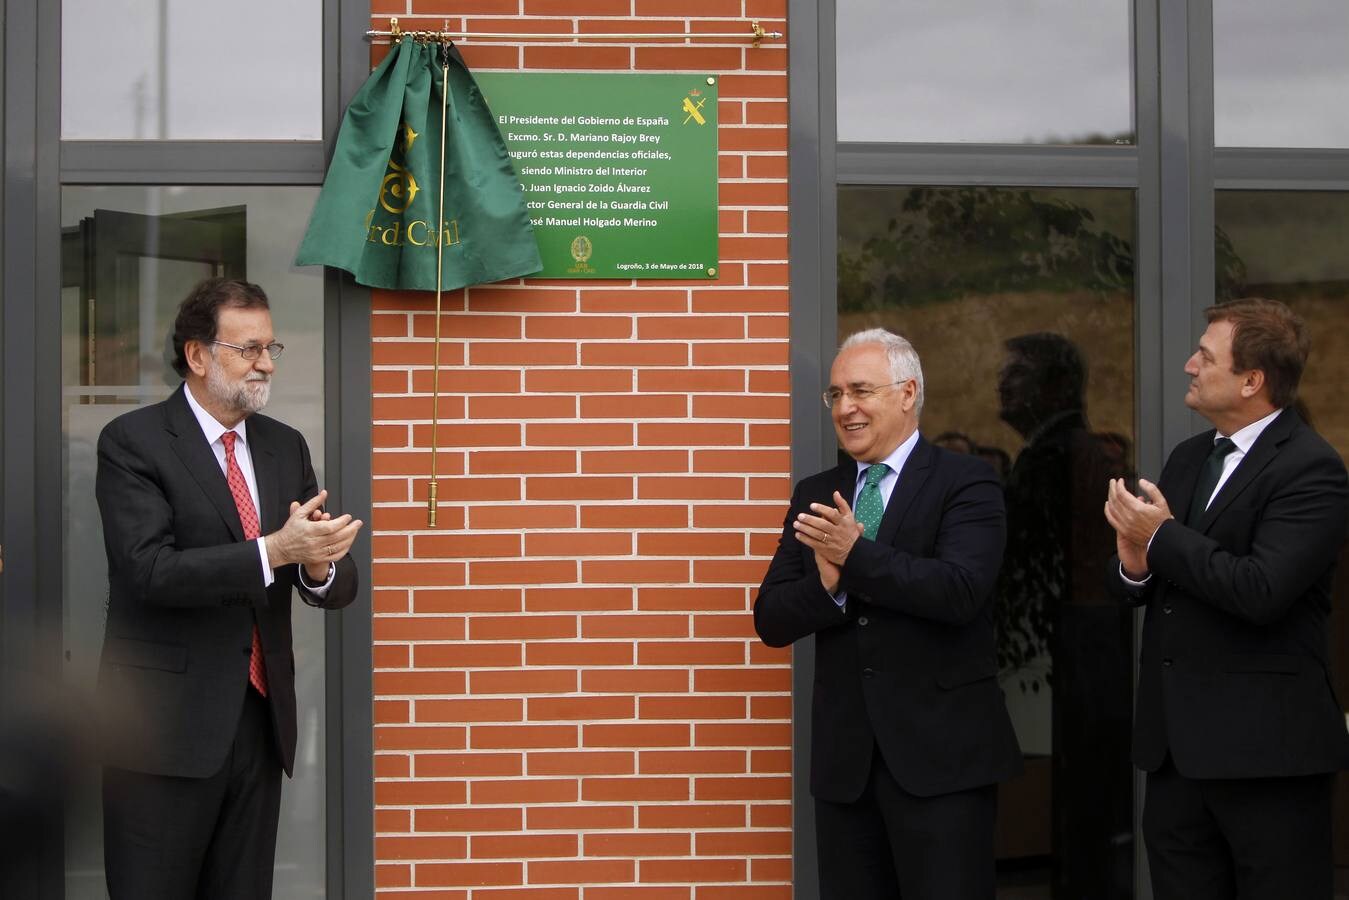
x: 755, y: 34
x: 431, y: 500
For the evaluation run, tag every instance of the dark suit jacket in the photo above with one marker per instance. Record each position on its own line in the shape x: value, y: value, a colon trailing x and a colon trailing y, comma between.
x: 909, y: 665
x: 1234, y: 671
x: 185, y: 588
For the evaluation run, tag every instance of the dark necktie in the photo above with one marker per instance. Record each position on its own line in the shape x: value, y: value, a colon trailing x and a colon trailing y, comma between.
x: 1208, y: 478
x: 870, y: 506
x: 248, y: 515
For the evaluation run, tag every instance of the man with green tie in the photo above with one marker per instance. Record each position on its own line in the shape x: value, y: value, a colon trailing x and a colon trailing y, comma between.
x: 889, y: 560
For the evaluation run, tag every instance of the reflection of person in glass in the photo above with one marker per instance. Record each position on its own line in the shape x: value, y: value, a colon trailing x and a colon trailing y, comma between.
x: 1052, y: 602
x: 889, y: 560
x: 211, y: 518
x: 1237, y: 725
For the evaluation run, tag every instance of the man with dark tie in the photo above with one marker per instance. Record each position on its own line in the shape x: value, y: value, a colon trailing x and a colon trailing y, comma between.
x: 1235, y: 721
x: 211, y: 517
x: 889, y: 560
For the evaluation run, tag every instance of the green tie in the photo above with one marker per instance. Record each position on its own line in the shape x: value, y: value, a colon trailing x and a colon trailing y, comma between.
x: 870, y: 507
x: 1208, y: 478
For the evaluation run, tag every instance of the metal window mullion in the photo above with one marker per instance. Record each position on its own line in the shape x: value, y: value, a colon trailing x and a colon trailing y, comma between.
x: 1004, y: 165
x: 192, y: 162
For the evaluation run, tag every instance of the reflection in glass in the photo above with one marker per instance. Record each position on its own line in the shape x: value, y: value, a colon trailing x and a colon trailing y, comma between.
x: 1289, y: 246
x: 1279, y: 73
x: 176, y: 70
x: 1051, y: 72
x: 1020, y: 303
x: 129, y: 256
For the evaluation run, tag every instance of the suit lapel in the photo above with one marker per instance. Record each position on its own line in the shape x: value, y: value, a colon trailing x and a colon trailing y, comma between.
x: 265, y: 471
x: 189, y: 443
x: 1188, y: 468
x: 911, y: 480
x: 1261, y: 454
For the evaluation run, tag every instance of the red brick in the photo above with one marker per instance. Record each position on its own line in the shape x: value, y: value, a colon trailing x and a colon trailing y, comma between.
x: 523, y: 353
x: 674, y: 487
x: 752, y: 353
x: 410, y: 628
x: 721, y: 300
x: 419, y: 793
x: 469, y: 873
x: 469, y: 819
x: 635, y: 789
x: 421, y: 847
x: 689, y: 653
x: 687, y: 544
x: 579, y: 653
x: 690, y: 328
x: 522, y: 571
x: 526, y: 790
x: 418, y: 683
x: 476, y: 434
x: 754, y: 138
x: 465, y: 546
x: 637, y: 844
x: 523, y: 517
x: 634, y: 353
x: 565, y: 599
x: 640, y: 735
x: 628, y: 515
x: 634, y: 300
x: 752, y: 407
x: 633, y: 461
x: 767, y: 166
x: 700, y: 59
x: 578, y: 381
x: 684, y: 709
x: 771, y: 815
x: 520, y: 461
x: 461, y: 380
x: 526, y: 407
x: 579, y: 434
x: 550, y: 709
x: 771, y: 762
x: 521, y: 737
x: 754, y: 193
x: 468, y: 765
x: 770, y: 707
x: 722, y: 571
x: 587, y: 871
x: 706, y: 870
x: 470, y: 709
x: 590, y: 487
x: 524, y: 681
x: 543, y: 328
x: 748, y: 734
x: 618, y: 406
x: 581, y: 763
x: 690, y: 762
x: 579, y: 544
x: 742, y: 843
x: 734, y: 625
x: 464, y: 325
x: 692, y: 815
x: 636, y: 571
x: 392, y: 712
x: 475, y: 598
x: 694, y: 381
x: 638, y: 681
x: 524, y: 846
x: 419, y: 737
x: 689, y: 434
x: 528, y: 299
x: 580, y: 817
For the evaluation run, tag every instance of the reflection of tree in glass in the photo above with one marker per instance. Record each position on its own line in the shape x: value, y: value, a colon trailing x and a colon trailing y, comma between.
x: 950, y: 242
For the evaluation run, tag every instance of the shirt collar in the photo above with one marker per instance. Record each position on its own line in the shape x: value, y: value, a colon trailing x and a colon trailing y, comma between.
x: 209, y: 425
x: 1245, y: 437
x: 897, y: 457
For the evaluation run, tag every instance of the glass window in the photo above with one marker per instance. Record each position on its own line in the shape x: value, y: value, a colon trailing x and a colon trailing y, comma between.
x: 170, y: 69
x: 129, y: 256
x: 1020, y: 304
x: 1049, y: 72
x: 1279, y: 73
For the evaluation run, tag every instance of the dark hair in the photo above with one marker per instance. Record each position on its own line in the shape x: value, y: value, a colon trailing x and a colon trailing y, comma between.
x: 1268, y: 336
x: 199, y: 313
x: 1056, y: 364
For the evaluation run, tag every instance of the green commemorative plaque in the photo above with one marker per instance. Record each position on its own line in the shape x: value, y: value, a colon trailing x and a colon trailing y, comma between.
x: 619, y: 170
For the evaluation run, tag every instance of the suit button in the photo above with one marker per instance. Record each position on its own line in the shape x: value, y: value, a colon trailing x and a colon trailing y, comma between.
x: 867, y: 673
x: 1167, y: 662
x: 861, y: 620
x: 1167, y: 609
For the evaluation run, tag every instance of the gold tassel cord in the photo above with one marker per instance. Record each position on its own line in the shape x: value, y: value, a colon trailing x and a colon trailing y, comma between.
x: 440, y: 251
x: 756, y: 34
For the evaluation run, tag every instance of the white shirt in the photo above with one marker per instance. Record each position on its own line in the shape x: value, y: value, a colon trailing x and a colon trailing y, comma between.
x: 1244, y: 438
x: 244, y: 457
x: 896, y: 460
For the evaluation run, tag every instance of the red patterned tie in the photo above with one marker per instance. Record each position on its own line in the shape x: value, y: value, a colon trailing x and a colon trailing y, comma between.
x: 248, y: 515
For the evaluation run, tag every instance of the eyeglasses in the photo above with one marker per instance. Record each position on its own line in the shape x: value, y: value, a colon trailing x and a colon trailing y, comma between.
x: 253, y: 351
x: 856, y: 395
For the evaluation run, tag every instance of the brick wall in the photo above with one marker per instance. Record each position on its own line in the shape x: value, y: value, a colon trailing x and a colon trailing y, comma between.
x: 569, y: 698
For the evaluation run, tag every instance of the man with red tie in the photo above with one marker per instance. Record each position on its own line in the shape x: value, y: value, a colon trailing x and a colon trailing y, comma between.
x: 211, y: 516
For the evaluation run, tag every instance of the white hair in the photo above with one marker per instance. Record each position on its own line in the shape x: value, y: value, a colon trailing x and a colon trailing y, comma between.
x: 903, y: 358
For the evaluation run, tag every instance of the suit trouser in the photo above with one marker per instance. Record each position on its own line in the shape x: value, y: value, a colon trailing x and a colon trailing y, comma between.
x: 167, y: 838
x: 891, y: 844
x: 1252, y: 838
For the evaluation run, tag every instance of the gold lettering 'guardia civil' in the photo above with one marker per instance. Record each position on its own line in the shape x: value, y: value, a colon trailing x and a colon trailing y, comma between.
x: 397, y: 192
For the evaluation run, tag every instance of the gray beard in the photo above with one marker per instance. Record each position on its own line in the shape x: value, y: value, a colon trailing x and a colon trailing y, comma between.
x: 249, y: 397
